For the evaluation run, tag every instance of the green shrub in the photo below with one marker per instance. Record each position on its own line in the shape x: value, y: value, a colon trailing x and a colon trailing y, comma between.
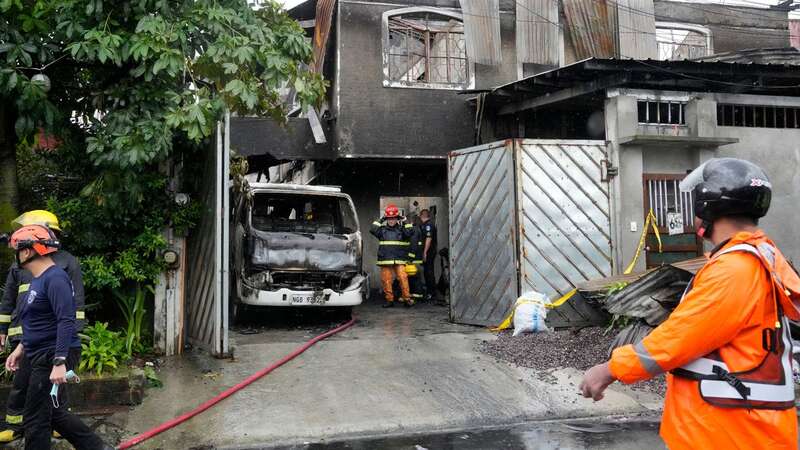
x: 103, y: 349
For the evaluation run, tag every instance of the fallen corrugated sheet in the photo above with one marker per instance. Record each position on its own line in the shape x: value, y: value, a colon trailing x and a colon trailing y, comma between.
x: 636, y: 21
x: 482, y: 30
x: 592, y: 27
x: 652, y: 297
x: 537, y: 32
x: 599, y: 286
x: 631, y: 334
x: 577, y: 312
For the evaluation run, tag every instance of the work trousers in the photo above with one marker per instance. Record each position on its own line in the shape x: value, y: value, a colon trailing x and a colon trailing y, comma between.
x: 16, y: 396
x: 387, y: 277
x: 415, y: 286
x: 41, y: 417
x: 428, y: 269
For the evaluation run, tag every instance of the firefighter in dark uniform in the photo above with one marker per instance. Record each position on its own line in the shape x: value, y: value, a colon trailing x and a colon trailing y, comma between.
x: 428, y: 254
x: 413, y: 268
x: 393, y: 247
x: 15, y: 292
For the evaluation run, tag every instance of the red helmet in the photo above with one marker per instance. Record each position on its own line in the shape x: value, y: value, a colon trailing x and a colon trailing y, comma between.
x: 392, y: 212
x: 36, y: 237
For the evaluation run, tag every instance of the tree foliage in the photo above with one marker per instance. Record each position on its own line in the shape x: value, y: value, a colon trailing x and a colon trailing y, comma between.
x: 134, y: 83
x: 136, y: 73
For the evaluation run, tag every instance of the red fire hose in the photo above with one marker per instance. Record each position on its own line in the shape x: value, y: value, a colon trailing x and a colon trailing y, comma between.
x: 227, y: 393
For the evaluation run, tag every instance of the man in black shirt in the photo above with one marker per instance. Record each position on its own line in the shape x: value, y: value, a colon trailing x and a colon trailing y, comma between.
x: 428, y: 254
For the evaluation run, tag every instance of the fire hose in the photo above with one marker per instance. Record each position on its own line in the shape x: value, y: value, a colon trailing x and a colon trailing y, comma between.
x: 228, y: 392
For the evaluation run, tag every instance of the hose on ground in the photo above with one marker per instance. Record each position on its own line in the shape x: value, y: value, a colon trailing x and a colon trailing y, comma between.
x: 228, y: 392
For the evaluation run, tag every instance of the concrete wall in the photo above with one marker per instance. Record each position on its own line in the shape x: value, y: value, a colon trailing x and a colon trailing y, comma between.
x: 375, y: 120
x: 775, y: 150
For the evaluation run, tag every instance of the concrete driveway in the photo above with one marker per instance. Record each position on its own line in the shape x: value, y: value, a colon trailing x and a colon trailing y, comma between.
x: 397, y: 371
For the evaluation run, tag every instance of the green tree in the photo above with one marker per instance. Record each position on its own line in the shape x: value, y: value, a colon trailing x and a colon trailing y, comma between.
x: 133, y: 83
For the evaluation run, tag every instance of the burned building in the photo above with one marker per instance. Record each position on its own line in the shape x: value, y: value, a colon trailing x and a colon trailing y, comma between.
x: 411, y: 81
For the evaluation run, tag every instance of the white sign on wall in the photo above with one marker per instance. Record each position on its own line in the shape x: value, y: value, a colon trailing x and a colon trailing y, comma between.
x: 675, y: 223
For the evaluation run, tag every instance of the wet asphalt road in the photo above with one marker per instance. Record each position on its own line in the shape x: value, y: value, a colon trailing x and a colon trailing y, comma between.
x: 622, y: 435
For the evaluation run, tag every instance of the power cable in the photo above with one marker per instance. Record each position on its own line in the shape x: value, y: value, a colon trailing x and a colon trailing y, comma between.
x: 710, y: 80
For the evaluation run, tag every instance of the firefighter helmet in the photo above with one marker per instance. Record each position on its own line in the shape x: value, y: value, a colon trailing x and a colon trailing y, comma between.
x: 392, y: 212
x: 36, y: 237
x: 728, y: 187
x: 37, y: 217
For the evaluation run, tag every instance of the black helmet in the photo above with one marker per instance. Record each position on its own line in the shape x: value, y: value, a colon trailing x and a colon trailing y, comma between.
x: 728, y: 187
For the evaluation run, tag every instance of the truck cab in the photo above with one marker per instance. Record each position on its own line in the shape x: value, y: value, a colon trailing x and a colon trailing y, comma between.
x: 296, y: 245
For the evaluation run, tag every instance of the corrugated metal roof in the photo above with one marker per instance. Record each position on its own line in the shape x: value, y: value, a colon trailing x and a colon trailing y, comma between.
x: 591, y: 26
x: 482, y: 31
x: 637, y: 29
x: 537, y: 32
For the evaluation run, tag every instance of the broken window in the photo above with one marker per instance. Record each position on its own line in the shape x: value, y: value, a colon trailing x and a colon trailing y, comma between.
x: 302, y: 213
x: 678, y: 41
x: 426, y: 48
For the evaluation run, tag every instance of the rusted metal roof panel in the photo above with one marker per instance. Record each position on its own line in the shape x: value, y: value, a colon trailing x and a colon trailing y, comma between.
x: 322, y: 30
x: 637, y: 29
x: 592, y: 28
x: 482, y: 30
x: 537, y: 32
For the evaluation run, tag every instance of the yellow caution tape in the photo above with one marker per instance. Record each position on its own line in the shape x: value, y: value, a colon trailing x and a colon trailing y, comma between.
x: 561, y: 300
x: 649, y: 222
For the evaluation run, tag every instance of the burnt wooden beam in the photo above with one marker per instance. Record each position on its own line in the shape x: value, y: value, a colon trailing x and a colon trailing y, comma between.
x: 566, y: 94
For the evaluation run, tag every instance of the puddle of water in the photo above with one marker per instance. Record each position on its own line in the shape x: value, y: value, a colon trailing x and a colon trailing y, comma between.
x: 581, y: 435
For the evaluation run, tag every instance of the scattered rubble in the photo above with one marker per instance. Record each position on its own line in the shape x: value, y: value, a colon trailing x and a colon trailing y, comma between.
x: 579, y: 349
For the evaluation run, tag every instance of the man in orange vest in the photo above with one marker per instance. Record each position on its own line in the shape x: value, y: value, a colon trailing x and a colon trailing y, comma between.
x: 726, y: 346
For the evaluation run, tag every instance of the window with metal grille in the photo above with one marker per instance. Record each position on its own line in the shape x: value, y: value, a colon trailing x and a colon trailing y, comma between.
x: 426, y: 48
x: 662, y: 112
x: 677, y: 41
x: 754, y: 116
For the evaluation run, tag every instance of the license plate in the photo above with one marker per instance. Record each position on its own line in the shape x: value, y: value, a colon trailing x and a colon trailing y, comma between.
x: 308, y: 299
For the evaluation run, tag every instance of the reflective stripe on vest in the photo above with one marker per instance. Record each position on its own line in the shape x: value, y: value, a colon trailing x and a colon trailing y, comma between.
x: 754, y: 388
x: 5, y: 318
x: 13, y: 420
x: 80, y: 315
x: 393, y: 243
x: 15, y: 331
x: 23, y: 288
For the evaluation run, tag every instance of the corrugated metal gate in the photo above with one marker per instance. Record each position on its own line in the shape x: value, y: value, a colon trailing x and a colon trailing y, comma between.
x: 563, y: 215
x: 207, y: 282
x: 525, y: 215
x: 483, y: 260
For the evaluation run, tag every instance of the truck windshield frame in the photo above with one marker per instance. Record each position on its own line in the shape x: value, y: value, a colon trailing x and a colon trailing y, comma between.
x: 302, y: 213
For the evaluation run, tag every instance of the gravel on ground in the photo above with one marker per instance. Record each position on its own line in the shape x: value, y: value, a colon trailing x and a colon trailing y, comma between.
x: 579, y: 349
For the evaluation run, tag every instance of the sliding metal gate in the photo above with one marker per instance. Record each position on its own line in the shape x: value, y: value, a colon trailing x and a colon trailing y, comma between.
x: 525, y: 215
x: 483, y: 260
x: 207, y: 281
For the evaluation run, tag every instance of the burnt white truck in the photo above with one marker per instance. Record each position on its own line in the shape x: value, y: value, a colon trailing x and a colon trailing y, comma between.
x: 296, y: 245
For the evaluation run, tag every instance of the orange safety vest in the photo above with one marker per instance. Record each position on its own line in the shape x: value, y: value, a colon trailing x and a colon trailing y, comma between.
x: 721, y: 322
x: 769, y: 385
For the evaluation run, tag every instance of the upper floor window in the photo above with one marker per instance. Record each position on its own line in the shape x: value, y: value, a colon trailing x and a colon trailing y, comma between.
x: 678, y: 41
x: 425, y: 47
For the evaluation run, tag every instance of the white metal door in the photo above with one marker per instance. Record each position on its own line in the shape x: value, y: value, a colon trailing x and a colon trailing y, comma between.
x: 563, y: 205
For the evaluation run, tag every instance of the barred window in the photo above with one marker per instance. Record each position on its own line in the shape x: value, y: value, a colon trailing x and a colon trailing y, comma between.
x: 678, y: 41
x: 424, y: 48
x: 755, y: 116
x: 661, y: 112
